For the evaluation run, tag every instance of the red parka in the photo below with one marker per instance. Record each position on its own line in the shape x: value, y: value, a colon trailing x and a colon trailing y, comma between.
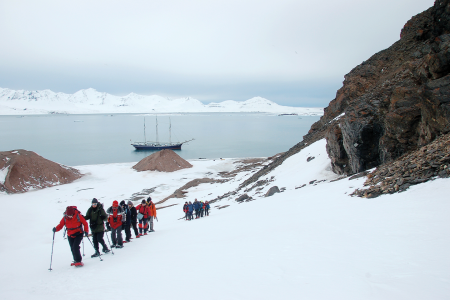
x: 143, y: 210
x: 115, y: 216
x: 74, y: 225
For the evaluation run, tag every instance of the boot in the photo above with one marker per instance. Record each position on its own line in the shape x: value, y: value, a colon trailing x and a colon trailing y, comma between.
x: 96, y: 254
x: 106, y: 250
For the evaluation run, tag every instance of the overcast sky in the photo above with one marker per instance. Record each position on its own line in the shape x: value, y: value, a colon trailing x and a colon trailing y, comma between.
x: 292, y: 52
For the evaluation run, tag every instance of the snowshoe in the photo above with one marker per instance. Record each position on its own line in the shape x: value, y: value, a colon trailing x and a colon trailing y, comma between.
x: 96, y: 254
x: 113, y: 246
x: 106, y: 250
x: 72, y: 264
x: 138, y: 236
x: 145, y: 233
x: 119, y: 246
x: 79, y: 264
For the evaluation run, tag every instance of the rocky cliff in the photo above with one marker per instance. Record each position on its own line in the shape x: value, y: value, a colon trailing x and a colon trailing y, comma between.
x: 396, y: 101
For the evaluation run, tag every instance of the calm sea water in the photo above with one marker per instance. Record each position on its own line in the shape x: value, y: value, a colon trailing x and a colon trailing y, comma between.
x: 97, y: 139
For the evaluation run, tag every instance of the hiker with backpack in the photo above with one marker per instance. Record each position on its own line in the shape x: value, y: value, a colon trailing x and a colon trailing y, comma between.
x: 142, y: 215
x: 207, y: 207
x: 115, y: 217
x: 190, y: 210
x: 133, y: 218
x: 126, y: 224
x: 186, y: 210
x: 96, y: 216
x: 76, y: 227
x: 152, y: 213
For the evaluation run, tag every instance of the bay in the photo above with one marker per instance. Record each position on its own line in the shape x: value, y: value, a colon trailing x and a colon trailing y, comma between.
x: 98, y: 139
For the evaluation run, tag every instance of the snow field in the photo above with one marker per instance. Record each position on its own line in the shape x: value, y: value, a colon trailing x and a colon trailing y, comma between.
x: 315, y: 242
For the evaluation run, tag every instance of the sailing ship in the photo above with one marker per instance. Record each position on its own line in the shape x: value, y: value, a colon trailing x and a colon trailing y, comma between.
x: 148, y: 145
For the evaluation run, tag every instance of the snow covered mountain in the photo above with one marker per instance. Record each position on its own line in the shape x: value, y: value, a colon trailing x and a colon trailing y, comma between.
x: 90, y: 101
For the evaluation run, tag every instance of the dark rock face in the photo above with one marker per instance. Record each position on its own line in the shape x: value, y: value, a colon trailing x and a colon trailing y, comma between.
x: 424, y: 164
x: 396, y: 101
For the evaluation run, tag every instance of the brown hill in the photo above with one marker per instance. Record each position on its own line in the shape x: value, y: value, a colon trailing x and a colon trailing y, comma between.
x: 163, y: 161
x: 22, y: 170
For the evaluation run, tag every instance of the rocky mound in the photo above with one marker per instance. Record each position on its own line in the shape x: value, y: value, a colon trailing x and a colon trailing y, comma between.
x: 163, y: 161
x: 396, y: 101
x: 22, y: 170
x: 426, y: 163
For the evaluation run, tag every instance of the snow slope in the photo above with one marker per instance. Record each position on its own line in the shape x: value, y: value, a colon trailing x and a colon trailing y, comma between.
x: 90, y: 101
x: 314, y: 242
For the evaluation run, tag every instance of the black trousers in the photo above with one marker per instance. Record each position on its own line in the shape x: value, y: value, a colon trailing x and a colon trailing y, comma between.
x: 136, y: 232
x: 97, y: 238
x: 127, y: 231
x: 74, y: 242
x: 206, y: 211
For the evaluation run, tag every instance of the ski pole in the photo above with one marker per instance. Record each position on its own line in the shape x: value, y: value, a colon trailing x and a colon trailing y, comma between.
x: 51, y: 257
x: 99, y: 256
x: 112, y: 251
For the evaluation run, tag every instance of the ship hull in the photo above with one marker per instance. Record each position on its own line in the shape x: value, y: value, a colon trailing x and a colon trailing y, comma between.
x: 155, y: 147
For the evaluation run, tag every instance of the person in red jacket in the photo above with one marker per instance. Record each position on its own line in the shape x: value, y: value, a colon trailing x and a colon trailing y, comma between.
x: 76, y: 226
x: 143, y: 214
x: 115, y: 218
x: 152, y: 213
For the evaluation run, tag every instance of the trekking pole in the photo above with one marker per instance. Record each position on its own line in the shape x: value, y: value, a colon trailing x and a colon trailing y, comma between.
x: 156, y: 219
x: 99, y: 256
x: 64, y: 236
x: 112, y: 251
x: 83, y: 246
x: 51, y: 257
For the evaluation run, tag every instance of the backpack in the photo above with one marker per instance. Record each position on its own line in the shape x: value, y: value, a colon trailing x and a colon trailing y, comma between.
x: 78, y: 218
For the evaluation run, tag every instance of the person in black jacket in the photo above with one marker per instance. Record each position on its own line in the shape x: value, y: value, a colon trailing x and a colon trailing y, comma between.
x: 96, y: 215
x: 127, y: 222
x: 133, y: 218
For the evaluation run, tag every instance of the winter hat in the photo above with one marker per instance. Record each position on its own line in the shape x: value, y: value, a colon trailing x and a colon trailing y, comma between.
x: 130, y: 203
x: 115, y: 203
x: 143, y: 202
x: 149, y: 199
x: 70, y: 211
x: 94, y: 200
x: 122, y: 202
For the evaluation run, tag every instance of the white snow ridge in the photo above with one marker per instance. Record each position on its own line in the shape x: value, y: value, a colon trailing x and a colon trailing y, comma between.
x: 312, y: 241
x: 90, y: 101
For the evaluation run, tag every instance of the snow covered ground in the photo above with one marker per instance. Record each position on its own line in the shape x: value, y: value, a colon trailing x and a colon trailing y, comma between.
x: 314, y: 242
x: 90, y: 101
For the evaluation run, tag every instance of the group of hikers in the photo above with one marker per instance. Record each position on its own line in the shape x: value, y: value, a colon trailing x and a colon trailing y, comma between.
x: 201, y: 208
x: 117, y: 217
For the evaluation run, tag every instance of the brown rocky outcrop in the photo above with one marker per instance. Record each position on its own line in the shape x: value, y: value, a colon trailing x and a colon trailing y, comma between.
x: 396, y: 101
x: 426, y: 163
x: 393, y: 103
x: 22, y: 170
x: 163, y: 161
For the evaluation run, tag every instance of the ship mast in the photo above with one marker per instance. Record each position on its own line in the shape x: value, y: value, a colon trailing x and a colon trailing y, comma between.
x: 157, y: 139
x: 145, y: 136
x: 170, y: 131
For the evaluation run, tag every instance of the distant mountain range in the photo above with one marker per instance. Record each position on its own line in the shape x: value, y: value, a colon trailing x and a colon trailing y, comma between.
x: 90, y: 101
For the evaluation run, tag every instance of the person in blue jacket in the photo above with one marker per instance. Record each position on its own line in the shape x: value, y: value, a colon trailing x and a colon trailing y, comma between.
x: 197, y: 209
x: 207, y: 208
x: 190, y: 209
